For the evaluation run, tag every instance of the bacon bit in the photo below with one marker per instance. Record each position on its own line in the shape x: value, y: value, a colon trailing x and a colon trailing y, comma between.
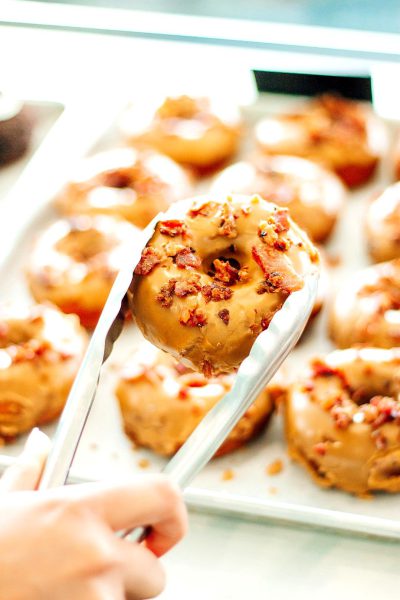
x: 282, y: 245
x: 278, y: 271
x: 216, y: 293
x: 166, y: 294
x: 143, y: 463
x: 388, y: 410
x: 224, y: 315
x: 227, y: 475
x: 183, y: 393
x: 193, y: 317
x: 341, y: 417
x: 320, y: 448
x: 225, y: 272
x: 186, y: 259
x: 275, y: 467
x: 150, y: 258
x: 187, y: 287
x: 172, y: 228
x: 243, y: 274
x: 207, y: 369
x: 227, y: 226
x: 265, y: 321
x: 266, y: 287
x: 282, y: 221
x: 205, y: 210
x: 321, y: 369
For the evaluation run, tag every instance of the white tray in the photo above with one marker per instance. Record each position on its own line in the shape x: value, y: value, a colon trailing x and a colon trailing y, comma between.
x: 104, y: 450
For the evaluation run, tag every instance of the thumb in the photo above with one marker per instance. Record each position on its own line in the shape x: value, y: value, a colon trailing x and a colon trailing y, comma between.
x: 25, y: 473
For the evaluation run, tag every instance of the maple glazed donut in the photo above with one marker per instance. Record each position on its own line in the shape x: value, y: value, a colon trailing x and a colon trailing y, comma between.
x: 213, y: 275
x: 313, y: 195
x: 198, y: 132
x: 383, y: 225
x: 75, y: 262
x: 366, y: 310
x: 162, y: 402
x: 40, y: 353
x: 343, y: 135
x: 126, y: 183
x: 343, y: 420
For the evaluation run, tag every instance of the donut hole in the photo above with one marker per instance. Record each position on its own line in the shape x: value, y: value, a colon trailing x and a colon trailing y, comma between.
x: 224, y: 266
x: 116, y: 179
x: 84, y: 244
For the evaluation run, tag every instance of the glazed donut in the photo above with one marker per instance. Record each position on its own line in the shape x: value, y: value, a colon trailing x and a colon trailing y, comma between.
x: 313, y: 195
x: 16, y: 124
x: 213, y: 275
x: 343, y: 420
x: 366, y: 310
x: 75, y: 262
x: 125, y: 183
x: 198, y: 132
x: 343, y: 135
x: 162, y: 402
x: 40, y: 353
x: 383, y: 225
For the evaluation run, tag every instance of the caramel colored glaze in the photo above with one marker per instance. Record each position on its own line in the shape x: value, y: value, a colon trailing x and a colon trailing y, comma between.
x: 193, y: 131
x: 313, y: 195
x: 124, y: 183
x: 74, y: 263
x: 366, y: 310
x: 162, y: 402
x: 40, y: 353
x: 343, y: 135
x: 343, y: 420
x: 214, y: 325
x: 383, y: 225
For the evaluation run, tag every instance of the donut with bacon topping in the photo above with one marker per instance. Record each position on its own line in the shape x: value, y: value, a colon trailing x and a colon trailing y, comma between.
x: 366, y: 310
x: 343, y: 135
x: 199, y: 132
x: 383, y: 225
x: 40, y: 353
x: 162, y: 402
x: 75, y: 261
x: 204, y: 294
x: 124, y: 183
x: 343, y: 420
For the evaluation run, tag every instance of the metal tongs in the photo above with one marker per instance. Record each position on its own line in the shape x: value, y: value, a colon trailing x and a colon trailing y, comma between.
x: 267, y: 354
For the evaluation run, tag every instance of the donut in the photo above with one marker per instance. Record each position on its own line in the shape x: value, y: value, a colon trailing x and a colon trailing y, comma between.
x: 383, y: 225
x: 162, y: 402
x: 198, y: 132
x: 74, y: 263
x: 342, y: 420
x: 366, y: 310
x: 313, y: 195
x: 40, y: 353
x: 124, y: 183
x: 16, y: 123
x: 343, y: 135
x: 213, y: 275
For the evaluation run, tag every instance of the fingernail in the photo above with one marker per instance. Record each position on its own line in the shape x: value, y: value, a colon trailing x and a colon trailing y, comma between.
x: 37, y: 443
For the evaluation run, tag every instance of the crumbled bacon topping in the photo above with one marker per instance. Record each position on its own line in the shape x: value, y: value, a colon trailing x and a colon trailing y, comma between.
x: 166, y: 294
x: 225, y: 272
x: 187, y: 287
x: 151, y: 257
x: 172, y: 228
x: 193, y: 317
x: 204, y: 210
x: 227, y: 225
x: 224, y: 315
x: 320, y: 448
x: 278, y: 271
x: 187, y: 259
x: 216, y: 293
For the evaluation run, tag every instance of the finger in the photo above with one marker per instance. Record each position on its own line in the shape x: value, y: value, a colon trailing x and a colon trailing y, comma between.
x: 25, y: 473
x: 143, y: 574
x: 150, y: 500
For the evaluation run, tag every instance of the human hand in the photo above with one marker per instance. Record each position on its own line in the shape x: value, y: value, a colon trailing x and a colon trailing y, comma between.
x: 61, y: 544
